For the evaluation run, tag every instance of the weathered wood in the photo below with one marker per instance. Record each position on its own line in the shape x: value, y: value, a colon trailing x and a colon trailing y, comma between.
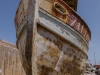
x: 10, y: 63
x: 51, y: 37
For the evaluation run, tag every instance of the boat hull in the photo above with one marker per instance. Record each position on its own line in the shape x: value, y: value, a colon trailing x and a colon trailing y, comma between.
x: 56, y: 56
x: 48, y: 45
x: 53, y: 54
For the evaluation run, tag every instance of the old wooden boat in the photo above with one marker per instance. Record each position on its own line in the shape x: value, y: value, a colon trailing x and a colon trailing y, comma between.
x: 51, y: 37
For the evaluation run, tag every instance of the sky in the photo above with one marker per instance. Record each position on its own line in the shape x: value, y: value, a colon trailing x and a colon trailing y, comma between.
x: 89, y: 10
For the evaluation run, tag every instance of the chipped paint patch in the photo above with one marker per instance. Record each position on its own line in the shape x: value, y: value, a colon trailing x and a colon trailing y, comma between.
x: 61, y: 30
x: 55, y: 55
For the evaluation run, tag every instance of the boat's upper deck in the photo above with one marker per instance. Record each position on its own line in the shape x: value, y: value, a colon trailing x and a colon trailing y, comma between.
x: 61, y: 10
x: 71, y: 3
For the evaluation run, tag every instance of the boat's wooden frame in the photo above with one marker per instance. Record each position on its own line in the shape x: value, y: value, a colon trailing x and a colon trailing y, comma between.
x: 51, y: 42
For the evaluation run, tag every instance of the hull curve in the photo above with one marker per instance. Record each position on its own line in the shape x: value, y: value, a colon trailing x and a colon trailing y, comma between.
x: 52, y: 39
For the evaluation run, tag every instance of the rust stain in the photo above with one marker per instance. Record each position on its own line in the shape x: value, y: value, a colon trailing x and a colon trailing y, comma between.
x: 44, y: 70
x: 71, y: 18
x: 53, y: 52
x: 67, y: 33
x: 52, y: 55
x: 80, y: 40
x: 51, y: 58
